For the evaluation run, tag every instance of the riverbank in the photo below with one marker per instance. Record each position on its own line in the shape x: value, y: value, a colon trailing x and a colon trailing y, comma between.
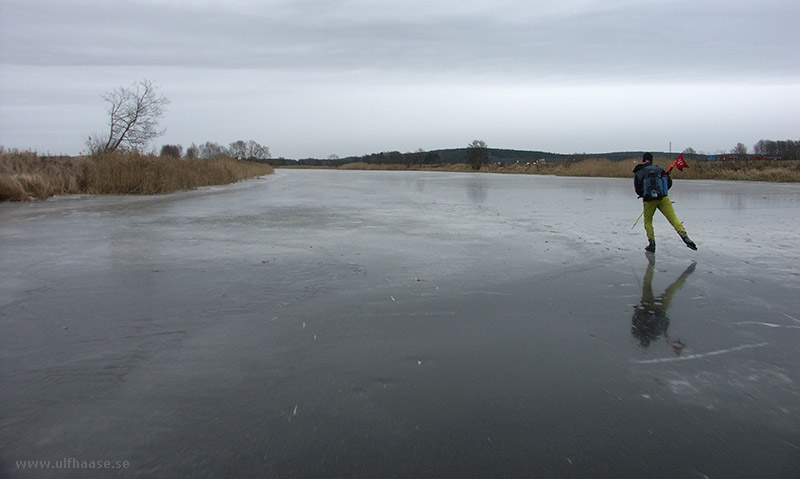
x: 25, y: 175
x: 771, y: 171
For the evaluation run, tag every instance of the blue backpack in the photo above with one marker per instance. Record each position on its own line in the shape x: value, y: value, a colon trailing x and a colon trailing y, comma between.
x: 655, y: 186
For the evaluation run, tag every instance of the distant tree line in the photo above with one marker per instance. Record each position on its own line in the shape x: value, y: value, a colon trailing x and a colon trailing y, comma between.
x: 241, y: 150
x: 786, y: 150
x: 477, y: 152
x: 418, y: 157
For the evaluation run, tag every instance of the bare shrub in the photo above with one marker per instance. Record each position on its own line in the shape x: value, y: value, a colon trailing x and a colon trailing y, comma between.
x: 173, y: 151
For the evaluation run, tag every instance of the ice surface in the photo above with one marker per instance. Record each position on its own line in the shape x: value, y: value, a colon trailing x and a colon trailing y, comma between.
x: 403, y: 324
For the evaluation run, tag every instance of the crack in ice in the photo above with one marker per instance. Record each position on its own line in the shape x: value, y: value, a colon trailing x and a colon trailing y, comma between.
x: 699, y: 356
x: 771, y: 325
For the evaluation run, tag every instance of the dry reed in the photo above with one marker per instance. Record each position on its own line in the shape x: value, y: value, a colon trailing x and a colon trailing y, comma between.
x: 25, y: 175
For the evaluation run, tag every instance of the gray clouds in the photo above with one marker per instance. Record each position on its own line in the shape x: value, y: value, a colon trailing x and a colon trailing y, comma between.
x: 532, y: 39
x: 308, y: 60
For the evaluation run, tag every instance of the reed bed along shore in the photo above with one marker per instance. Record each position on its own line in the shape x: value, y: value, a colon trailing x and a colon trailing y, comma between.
x: 772, y: 171
x: 25, y: 175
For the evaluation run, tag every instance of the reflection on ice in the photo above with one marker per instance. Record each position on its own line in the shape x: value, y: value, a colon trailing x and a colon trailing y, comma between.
x: 477, y: 189
x: 650, y: 320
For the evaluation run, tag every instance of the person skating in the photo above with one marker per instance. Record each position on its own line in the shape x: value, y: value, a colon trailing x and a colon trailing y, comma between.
x: 652, y: 184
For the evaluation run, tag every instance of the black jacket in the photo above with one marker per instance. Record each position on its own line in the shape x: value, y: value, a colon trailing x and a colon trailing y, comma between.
x: 638, y: 178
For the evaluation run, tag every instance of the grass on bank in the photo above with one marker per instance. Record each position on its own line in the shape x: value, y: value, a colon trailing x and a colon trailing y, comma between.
x: 774, y: 171
x: 25, y: 175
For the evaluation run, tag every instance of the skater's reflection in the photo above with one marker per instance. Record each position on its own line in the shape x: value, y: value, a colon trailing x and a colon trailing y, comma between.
x: 650, y: 319
x: 476, y: 190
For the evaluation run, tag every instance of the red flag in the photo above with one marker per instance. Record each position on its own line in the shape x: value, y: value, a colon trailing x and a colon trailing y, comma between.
x: 681, y: 163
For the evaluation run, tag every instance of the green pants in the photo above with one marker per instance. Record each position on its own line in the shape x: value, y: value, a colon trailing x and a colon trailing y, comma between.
x: 665, y: 206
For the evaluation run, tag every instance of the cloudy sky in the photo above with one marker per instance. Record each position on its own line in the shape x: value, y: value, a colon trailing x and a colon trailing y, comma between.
x: 312, y: 78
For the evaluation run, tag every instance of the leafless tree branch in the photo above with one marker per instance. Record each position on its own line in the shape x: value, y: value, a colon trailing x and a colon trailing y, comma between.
x: 134, y: 113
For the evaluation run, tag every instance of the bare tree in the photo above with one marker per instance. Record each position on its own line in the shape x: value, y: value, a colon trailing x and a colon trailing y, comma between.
x: 193, y: 152
x: 740, y: 150
x: 249, y: 150
x: 238, y: 150
x: 210, y: 150
x: 172, y: 151
x: 257, y: 152
x: 477, y: 154
x: 134, y: 113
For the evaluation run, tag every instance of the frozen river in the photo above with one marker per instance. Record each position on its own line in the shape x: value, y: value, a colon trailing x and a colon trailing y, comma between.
x: 402, y: 324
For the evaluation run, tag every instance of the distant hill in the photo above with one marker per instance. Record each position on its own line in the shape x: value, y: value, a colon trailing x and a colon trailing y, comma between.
x: 459, y: 155
x: 498, y: 155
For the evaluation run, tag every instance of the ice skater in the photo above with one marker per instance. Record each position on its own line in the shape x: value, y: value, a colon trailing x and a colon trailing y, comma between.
x: 652, y: 184
x: 650, y: 319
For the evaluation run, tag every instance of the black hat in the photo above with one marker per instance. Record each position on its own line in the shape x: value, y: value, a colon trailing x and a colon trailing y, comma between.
x: 647, y: 157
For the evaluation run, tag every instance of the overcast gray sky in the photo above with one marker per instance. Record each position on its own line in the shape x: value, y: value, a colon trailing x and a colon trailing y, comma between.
x: 311, y: 78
